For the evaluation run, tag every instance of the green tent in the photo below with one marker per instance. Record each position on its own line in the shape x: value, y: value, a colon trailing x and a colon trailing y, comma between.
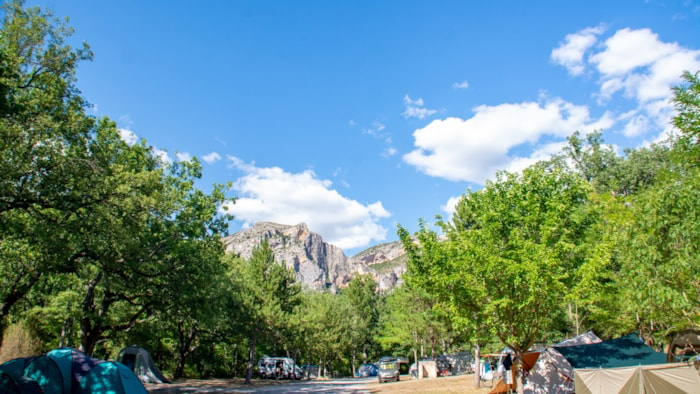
x: 626, y: 351
x: 110, y: 377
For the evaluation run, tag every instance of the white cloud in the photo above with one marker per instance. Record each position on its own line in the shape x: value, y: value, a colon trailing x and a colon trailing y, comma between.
x: 272, y: 194
x: 460, y: 85
x: 183, y: 156
x: 389, y: 151
x: 211, y: 158
x: 633, y: 67
x: 128, y: 136
x: 473, y: 149
x: 571, y: 53
x: 416, y: 109
x: 162, y: 155
x: 450, y: 205
x: 642, y: 69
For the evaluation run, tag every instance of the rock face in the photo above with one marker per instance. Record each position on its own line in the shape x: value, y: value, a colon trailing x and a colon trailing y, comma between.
x: 319, y: 265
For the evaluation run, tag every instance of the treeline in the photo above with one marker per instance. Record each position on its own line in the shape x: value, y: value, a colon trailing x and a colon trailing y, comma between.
x: 103, y: 245
x: 588, y: 240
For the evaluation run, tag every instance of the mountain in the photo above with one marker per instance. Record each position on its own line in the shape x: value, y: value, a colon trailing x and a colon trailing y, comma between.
x: 320, y: 265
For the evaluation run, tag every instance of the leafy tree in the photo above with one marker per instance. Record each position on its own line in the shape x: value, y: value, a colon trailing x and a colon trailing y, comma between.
x: 511, y: 249
x: 326, y: 326
x: 268, y: 294
x: 609, y: 173
x: 43, y: 138
x: 363, y: 300
x: 658, y: 246
x: 414, y: 317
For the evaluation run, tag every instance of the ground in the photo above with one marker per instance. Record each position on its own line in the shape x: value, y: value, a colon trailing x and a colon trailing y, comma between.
x: 451, y: 384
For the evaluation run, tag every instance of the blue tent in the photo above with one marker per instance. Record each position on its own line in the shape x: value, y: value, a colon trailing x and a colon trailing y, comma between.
x: 46, y: 372
x: 16, y: 366
x: 74, y: 365
x: 626, y: 351
x: 111, y: 378
x: 16, y: 384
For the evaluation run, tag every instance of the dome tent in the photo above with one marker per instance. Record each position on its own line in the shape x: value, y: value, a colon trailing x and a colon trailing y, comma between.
x: 16, y: 366
x: 46, y: 372
x: 68, y: 371
x: 111, y: 377
x: 141, y: 363
x: 16, y: 384
x: 74, y: 365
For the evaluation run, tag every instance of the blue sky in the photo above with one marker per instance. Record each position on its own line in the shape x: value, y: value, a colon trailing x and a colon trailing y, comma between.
x: 356, y: 116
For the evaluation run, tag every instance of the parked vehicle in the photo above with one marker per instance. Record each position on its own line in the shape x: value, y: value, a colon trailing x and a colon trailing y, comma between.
x: 366, y: 370
x: 278, y: 368
x: 388, y: 370
x: 443, y: 365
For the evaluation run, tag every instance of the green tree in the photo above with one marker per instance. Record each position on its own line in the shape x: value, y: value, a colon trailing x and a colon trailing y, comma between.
x: 326, y: 326
x: 44, y: 135
x: 658, y: 246
x: 363, y: 300
x: 268, y: 294
x: 510, y: 252
x: 414, y: 317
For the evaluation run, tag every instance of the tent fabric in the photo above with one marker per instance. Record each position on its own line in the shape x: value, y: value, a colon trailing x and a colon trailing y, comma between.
x: 552, y: 372
x: 74, y: 365
x: 139, y: 360
x: 111, y: 378
x: 427, y: 369
x: 626, y: 351
x: 46, y: 373
x: 16, y: 366
x: 11, y: 383
x: 677, y: 378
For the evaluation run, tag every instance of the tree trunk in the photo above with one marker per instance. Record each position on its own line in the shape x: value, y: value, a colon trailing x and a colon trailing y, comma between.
x: 354, y: 360
x: 184, y: 347
x: 477, y: 366
x: 251, y: 356
x: 520, y: 373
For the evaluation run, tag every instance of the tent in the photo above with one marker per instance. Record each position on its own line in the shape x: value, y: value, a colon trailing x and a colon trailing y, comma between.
x: 141, y: 363
x: 552, y: 372
x: 427, y: 369
x: 110, y: 377
x: 46, y: 372
x: 16, y: 366
x: 73, y: 364
x: 662, y: 378
x: 622, y: 352
x: 16, y: 384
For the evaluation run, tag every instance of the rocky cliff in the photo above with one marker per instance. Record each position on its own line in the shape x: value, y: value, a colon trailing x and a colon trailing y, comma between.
x: 320, y: 265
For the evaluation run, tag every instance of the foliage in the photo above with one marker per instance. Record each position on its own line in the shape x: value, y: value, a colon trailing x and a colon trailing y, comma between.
x: 268, y: 295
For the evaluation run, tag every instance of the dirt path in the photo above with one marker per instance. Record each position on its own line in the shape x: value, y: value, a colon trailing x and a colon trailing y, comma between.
x: 451, y: 384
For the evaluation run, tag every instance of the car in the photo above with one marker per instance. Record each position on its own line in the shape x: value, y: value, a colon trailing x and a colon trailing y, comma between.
x: 388, y: 370
x: 366, y: 370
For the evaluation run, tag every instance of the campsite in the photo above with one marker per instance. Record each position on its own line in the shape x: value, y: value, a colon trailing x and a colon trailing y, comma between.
x: 124, y: 270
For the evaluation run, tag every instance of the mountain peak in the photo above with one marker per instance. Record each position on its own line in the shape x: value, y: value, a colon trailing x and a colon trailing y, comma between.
x: 319, y: 265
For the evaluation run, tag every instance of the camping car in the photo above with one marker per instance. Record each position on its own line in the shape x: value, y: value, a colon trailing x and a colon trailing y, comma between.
x: 278, y: 368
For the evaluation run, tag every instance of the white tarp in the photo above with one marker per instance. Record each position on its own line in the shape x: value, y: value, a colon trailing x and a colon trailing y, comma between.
x: 552, y: 373
x: 675, y: 378
x: 427, y: 369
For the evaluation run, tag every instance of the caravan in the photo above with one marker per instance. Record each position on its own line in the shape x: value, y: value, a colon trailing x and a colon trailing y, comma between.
x: 279, y: 368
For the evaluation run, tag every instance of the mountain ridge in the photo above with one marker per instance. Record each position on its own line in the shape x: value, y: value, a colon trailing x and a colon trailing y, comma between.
x: 319, y: 265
